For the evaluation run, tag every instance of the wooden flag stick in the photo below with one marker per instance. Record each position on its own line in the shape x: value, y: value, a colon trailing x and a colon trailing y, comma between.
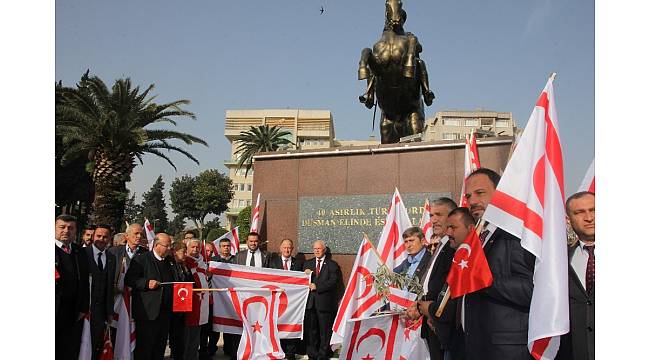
x: 244, y: 289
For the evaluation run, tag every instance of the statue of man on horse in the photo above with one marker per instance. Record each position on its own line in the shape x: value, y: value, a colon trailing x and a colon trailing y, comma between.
x: 397, y: 76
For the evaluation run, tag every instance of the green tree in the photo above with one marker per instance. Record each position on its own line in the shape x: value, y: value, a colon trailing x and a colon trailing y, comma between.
x: 195, y: 198
x: 177, y: 226
x: 132, y: 211
x: 244, y: 223
x: 215, y: 234
x: 110, y: 127
x: 210, y: 225
x: 153, y: 206
x: 259, y: 139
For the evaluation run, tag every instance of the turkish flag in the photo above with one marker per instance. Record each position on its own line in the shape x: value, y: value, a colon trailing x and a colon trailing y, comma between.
x: 182, y: 297
x: 107, y: 351
x: 56, y: 274
x: 469, y: 271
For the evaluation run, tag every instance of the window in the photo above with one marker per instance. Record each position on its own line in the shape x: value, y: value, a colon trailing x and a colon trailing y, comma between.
x: 471, y: 122
x: 503, y: 123
x: 249, y: 202
x: 450, y: 136
x: 487, y: 122
x: 451, y: 122
x: 249, y: 187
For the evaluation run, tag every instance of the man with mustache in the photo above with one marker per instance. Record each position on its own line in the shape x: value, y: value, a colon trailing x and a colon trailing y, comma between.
x: 495, y: 319
x: 579, y: 343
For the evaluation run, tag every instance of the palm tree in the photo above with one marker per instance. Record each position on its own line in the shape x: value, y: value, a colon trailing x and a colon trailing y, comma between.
x: 259, y: 139
x: 109, y: 127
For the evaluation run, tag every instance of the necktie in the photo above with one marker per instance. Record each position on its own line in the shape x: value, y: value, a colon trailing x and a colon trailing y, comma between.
x: 318, y: 267
x: 100, y: 264
x: 285, y: 264
x: 252, y: 262
x: 590, y: 276
x: 66, y: 248
x: 483, y: 235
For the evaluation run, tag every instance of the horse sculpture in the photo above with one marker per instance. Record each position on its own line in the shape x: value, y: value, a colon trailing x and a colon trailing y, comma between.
x: 397, y: 76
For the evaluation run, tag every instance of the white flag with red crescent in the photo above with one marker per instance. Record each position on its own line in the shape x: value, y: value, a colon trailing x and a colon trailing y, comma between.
x: 151, y: 235
x: 413, y: 345
x: 360, y: 298
x: 391, y: 246
x: 255, y: 217
x: 529, y: 204
x: 125, y: 326
x: 292, y: 300
x: 425, y: 222
x: 86, y: 348
x: 233, y: 236
x: 377, y: 337
x: 200, y: 299
x: 589, y: 181
x: 258, y: 310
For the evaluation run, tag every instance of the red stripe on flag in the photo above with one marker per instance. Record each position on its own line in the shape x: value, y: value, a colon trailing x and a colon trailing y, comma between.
x: 553, y: 147
x: 539, y: 179
x: 351, y: 289
x: 260, y: 277
x: 400, y: 300
x: 353, y: 341
x: 538, y: 348
x: 371, y: 301
x: 390, y: 240
x: 592, y: 187
x: 392, y: 335
x: 532, y: 221
x: 290, y: 327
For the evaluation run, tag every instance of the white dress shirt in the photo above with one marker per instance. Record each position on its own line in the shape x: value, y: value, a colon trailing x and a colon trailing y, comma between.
x: 258, y: 257
x: 579, y: 262
x: 288, y: 261
x: 425, y: 281
x: 96, y: 251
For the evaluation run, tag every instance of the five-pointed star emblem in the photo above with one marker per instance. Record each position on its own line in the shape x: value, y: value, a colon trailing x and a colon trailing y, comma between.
x: 367, y: 357
x: 463, y: 264
x: 182, y: 298
x: 257, y: 327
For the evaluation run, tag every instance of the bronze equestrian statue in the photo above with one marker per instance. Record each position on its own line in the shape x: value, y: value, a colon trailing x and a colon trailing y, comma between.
x: 397, y: 75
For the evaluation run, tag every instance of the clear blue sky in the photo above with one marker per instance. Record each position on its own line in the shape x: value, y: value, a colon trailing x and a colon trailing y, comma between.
x: 245, y: 54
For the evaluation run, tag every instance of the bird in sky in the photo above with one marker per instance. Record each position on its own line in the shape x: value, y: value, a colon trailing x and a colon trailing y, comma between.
x: 322, y: 10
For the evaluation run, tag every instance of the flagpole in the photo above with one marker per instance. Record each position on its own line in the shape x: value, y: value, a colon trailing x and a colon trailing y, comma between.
x: 445, y: 299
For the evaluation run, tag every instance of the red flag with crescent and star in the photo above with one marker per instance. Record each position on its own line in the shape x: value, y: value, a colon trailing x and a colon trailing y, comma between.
x: 469, y: 269
x: 182, y: 301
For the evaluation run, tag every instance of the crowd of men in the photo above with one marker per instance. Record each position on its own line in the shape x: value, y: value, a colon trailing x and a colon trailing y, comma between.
x: 491, y: 323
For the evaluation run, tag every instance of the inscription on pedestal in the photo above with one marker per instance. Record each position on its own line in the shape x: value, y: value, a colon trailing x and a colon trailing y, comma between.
x: 341, y: 220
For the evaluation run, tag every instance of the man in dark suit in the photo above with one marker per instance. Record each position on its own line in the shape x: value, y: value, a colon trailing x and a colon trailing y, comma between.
x: 417, y: 260
x: 579, y: 343
x: 322, y: 302
x: 230, y: 341
x: 101, y: 266
x: 435, y: 275
x: 71, y: 292
x: 285, y: 260
x: 495, y: 319
x: 151, y: 302
x: 253, y: 255
x: 123, y: 255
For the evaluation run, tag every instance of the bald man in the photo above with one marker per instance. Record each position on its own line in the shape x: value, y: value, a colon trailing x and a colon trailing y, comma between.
x: 322, y: 302
x: 151, y: 302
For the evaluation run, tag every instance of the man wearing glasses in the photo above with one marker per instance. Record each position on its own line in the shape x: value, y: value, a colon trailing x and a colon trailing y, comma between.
x: 151, y: 302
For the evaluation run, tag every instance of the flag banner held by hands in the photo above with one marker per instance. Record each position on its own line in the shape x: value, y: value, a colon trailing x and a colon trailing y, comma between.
x: 360, y: 298
x: 292, y: 300
x: 400, y: 299
x: 391, y: 246
x: 529, y: 204
x: 413, y: 345
x: 377, y: 337
x: 125, y: 326
x: 182, y: 301
x: 258, y: 312
x: 469, y: 268
x: 200, y: 300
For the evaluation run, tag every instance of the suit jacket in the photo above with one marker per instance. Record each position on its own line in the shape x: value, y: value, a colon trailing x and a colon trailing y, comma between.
x: 101, y: 294
x: 71, y: 292
x: 420, y: 271
x: 496, y: 318
x: 240, y: 258
x: 149, y: 304
x: 230, y: 260
x: 119, y: 252
x: 275, y: 262
x: 579, y: 343
x: 325, y: 297
x: 437, y: 281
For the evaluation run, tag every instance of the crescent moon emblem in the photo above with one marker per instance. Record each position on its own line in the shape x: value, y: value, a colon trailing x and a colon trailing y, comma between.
x: 256, y: 299
x: 183, y: 290
x: 466, y: 246
x: 373, y: 332
x: 364, y: 273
